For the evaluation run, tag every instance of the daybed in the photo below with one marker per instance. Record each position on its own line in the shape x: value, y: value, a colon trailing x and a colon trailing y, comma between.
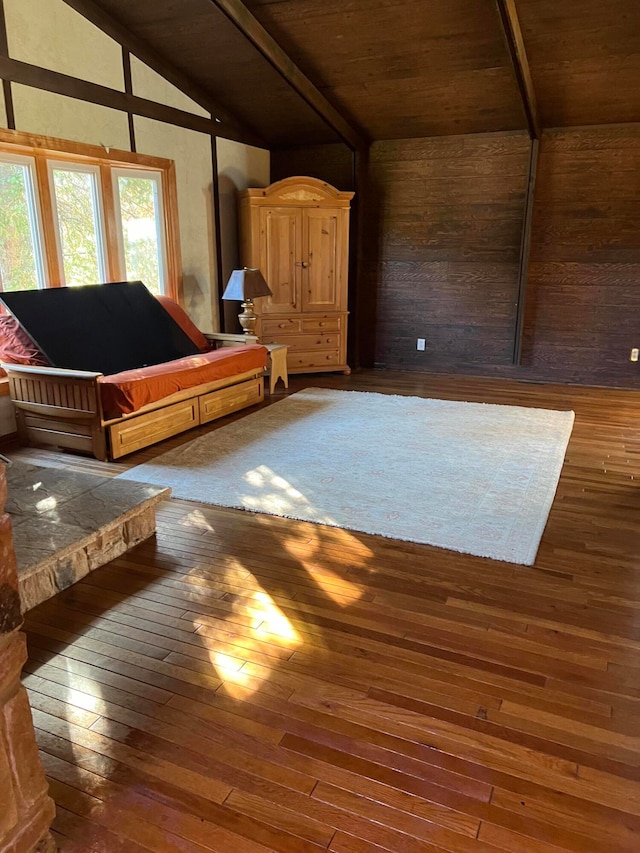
x: 111, y: 416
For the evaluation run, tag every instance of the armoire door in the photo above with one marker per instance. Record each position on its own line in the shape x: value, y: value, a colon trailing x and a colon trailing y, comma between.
x: 321, y: 276
x: 280, y: 254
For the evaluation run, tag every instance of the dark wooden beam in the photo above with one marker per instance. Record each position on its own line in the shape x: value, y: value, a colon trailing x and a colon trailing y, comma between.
x: 128, y: 87
x: 362, y: 296
x: 217, y: 235
x: 62, y: 84
x: 139, y: 48
x: 6, y: 85
x: 250, y: 27
x: 513, y: 34
x: 525, y: 247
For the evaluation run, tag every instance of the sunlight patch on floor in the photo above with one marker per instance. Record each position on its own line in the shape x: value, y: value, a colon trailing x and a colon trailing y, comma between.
x: 196, y: 520
x: 268, y: 624
x: 317, y: 547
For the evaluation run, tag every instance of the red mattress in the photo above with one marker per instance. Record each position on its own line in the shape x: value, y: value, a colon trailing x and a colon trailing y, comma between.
x: 126, y: 392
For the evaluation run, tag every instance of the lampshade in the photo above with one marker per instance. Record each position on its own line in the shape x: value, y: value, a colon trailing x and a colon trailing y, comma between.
x: 245, y: 285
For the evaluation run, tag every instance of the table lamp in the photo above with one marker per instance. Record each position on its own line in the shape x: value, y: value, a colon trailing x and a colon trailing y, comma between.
x: 244, y: 286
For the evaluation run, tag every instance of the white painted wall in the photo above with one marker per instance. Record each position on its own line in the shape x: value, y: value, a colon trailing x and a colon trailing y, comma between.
x: 52, y: 35
x: 37, y: 111
x: 239, y: 167
x: 191, y: 152
x: 146, y: 83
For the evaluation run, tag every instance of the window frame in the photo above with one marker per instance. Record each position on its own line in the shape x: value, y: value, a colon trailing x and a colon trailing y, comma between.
x: 156, y: 177
x: 98, y: 211
x: 34, y: 211
x: 106, y: 162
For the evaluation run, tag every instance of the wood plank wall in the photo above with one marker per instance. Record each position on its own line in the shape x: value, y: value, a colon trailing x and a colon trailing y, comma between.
x: 443, y: 246
x: 443, y: 223
x: 331, y: 163
x: 583, y: 307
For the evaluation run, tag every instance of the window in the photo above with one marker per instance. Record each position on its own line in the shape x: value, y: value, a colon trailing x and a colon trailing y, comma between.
x: 21, y: 263
x: 140, y: 208
x: 69, y: 215
x: 78, y: 217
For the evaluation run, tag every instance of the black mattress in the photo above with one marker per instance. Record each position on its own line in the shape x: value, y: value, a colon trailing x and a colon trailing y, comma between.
x: 101, y: 327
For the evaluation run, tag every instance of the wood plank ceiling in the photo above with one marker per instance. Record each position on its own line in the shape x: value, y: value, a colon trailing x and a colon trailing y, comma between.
x: 585, y: 59
x: 402, y: 68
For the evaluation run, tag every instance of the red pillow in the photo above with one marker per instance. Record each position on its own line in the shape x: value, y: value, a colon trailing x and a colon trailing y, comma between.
x: 16, y: 347
x: 185, y: 322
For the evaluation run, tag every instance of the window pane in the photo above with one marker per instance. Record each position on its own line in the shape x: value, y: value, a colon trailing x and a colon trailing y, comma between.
x: 79, y: 226
x: 19, y: 255
x: 141, y: 217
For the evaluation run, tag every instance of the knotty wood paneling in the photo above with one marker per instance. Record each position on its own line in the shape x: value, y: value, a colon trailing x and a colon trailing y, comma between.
x: 442, y: 248
x: 583, y: 311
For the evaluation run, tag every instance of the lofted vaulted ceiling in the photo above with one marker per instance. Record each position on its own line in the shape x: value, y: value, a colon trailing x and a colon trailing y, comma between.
x: 401, y: 68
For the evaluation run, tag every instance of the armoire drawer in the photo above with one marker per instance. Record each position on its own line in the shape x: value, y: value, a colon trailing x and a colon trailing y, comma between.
x: 312, y: 358
x: 273, y: 329
x: 297, y: 343
x: 321, y: 324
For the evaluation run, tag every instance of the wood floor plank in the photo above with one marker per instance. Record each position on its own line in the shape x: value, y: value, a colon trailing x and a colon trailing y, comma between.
x: 245, y: 683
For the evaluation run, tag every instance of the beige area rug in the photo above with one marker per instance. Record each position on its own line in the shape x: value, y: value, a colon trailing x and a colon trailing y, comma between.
x: 470, y: 477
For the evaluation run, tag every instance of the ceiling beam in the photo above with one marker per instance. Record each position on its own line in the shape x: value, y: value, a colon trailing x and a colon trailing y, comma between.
x: 62, y: 84
x: 253, y: 30
x: 513, y: 34
x: 145, y: 53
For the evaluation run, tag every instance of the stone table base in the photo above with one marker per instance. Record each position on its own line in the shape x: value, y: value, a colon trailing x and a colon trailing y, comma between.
x: 26, y: 809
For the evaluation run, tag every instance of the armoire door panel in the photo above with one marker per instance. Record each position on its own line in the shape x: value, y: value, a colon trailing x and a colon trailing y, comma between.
x: 320, y: 278
x: 281, y: 247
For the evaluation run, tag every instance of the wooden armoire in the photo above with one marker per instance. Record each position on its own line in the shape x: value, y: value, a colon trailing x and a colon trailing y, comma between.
x: 296, y: 231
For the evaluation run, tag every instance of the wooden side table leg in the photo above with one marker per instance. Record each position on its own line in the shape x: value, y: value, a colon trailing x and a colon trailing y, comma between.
x: 278, y: 359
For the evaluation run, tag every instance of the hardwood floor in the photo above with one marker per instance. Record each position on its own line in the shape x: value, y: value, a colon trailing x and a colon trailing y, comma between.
x: 245, y: 683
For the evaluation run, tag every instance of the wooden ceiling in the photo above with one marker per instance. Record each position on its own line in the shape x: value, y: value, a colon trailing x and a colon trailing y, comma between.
x: 585, y: 59
x: 401, y: 68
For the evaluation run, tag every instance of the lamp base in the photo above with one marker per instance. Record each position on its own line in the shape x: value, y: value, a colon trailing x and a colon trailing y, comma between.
x: 248, y: 318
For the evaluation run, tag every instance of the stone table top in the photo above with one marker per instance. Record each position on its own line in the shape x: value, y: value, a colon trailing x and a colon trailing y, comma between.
x: 55, y: 511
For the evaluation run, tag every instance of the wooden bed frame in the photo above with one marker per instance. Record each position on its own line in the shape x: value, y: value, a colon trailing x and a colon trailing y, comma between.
x: 63, y: 407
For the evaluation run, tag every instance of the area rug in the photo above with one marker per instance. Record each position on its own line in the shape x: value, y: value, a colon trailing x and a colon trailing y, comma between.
x: 470, y: 477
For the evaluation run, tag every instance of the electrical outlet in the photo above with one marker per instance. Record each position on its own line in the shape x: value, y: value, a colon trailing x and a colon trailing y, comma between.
x: 635, y: 352
x: 422, y: 341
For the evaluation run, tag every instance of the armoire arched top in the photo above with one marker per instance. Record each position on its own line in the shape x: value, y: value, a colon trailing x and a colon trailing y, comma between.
x: 300, y: 190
